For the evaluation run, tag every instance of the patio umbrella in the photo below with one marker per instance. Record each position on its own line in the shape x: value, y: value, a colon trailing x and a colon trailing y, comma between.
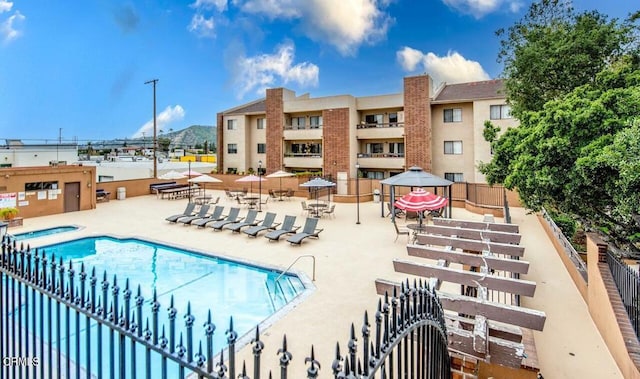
x: 280, y: 174
x: 191, y: 173
x: 419, y: 201
x: 204, y: 179
x: 318, y: 183
x: 169, y: 175
x: 250, y: 179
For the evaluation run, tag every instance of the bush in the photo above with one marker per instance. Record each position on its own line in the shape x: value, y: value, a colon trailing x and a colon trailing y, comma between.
x: 566, y: 223
x: 8, y: 213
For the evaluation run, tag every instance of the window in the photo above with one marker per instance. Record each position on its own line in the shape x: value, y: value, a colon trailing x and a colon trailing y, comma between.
x: 297, y: 122
x: 373, y: 119
x: 306, y: 148
x: 232, y: 148
x: 35, y: 186
x: 454, y: 176
x: 396, y: 148
x: 315, y: 122
x: 261, y: 123
x: 373, y: 174
x: 374, y: 148
x: 393, y: 119
x: 262, y: 148
x: 453, y: 115
x: 232, y: 170
x: 232, y: 124
x: 453, y: 147
x: 499, y: 112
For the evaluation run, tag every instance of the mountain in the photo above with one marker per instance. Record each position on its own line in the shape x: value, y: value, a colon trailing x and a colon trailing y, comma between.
x: 191, y: 136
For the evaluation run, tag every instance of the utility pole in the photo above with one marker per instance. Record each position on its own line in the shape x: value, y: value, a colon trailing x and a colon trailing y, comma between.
x: 155, y: 133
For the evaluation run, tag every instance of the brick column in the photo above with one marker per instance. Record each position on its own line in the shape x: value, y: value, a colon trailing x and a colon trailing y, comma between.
x: 275, y: 129
x: 335, y: 146
x: 220, y: 146
x: 417, y: 122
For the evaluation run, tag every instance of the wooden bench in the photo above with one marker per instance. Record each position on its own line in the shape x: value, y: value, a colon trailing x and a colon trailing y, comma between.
x: 154, y: 187
x: 102, y: 195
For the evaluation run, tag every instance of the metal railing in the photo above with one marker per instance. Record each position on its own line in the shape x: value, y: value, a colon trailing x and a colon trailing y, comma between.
x: 628, y: 283
x: 571, y: 252
x: 380, y: 125
x: 60, y: 322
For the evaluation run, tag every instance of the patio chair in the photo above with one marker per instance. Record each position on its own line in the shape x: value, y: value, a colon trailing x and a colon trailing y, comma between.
x: 272, y: 194
x: 305, y: 208
x: 202, y: 213
x: 286, y: 228
x: 250, y: 220
x: 330, y: 212
x: 228, y: 194
x: 398, y: 212
x: 231, y: 218
x: 309, y: 230
x: 264, y: 203
x: 216, y: 201
x: 267, y: 224
x: 188, y: 211
x: 216, y: 215
x: 289, y: 194
x: 401, y: 232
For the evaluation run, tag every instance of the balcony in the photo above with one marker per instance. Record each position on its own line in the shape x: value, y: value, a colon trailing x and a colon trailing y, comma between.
x: 308, y: 160
x: 382, y: 130
x: 381, y: 161
x: 302, y: 132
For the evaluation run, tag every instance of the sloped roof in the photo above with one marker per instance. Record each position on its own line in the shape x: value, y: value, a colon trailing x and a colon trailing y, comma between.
x: 488, y: 89
x: 259, y: 106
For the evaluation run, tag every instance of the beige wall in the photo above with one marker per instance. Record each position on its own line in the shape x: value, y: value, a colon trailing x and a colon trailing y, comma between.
x: 453, y: 131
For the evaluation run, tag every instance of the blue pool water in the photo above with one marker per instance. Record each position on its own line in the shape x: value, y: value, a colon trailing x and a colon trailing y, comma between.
x: 44, y: 232
x: 227, y: 288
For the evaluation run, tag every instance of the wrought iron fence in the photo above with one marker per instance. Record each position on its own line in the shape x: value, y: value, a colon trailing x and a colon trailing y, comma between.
x: 61, y: 321
x: 575, y: 258
x: 628, y: 283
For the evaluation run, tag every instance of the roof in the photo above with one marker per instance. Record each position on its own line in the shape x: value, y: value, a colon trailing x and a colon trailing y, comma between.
x: 259, y: 106
x: 488, y: 89
x: 416, y: 177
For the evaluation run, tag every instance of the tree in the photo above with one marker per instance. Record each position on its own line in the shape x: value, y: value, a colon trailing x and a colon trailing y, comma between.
x: 577, y: 154
x: 553, y: 50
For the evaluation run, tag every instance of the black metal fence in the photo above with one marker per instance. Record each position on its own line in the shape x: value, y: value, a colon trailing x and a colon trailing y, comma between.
x: 60, y: 321
x: 628, y: 283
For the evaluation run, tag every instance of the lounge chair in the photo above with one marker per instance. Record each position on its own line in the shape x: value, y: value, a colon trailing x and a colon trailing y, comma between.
x: 250, y: 220
x: 309, y: 230
x: 231, y: 218
x: 202, y: 213
x: 267, y: 224
x: 216, y: 215
x: 188, y: 211
x: 286, y: 228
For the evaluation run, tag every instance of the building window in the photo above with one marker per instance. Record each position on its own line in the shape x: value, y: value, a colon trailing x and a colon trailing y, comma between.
x: 297, y: 122
x: 454, y: 176
x: 393, y: 119
x: 36, y: 186
x: 397, y: 149
x: 453, y: 115
x: 373, y: 119
x: 453, y: 147
x: 305, y: 149
x: 232, y: 124
x: 232, y: 148
x: 232, y: 170
x: 499, y: 112
x: 375, y: 148
x: 261, y: 123
x: 315, y: 122
x: 262, y: 148
x: 373, y: 174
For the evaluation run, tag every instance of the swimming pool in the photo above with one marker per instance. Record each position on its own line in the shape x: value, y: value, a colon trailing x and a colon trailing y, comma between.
x: 228, y: 288
x: 44, y: 232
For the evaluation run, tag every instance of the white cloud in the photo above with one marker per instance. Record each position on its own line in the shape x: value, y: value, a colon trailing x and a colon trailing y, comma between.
x: 263, y: 71
x: 480, y: 8
x: 9, y: 28
x: 5, y: 6
x: 201, y: 26
x: 166, y: 117
x: 344, y: 24
x: 220, y: 5
x: 451, y: 68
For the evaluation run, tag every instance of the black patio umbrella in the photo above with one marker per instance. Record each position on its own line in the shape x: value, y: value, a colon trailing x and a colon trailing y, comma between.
x: 317, y: 183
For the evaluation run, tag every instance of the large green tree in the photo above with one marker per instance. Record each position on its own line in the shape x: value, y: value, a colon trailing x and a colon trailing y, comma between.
x: 580, y: 154
x: 553, y: 50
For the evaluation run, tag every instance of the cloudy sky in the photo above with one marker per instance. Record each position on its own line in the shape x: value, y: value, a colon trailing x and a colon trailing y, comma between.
x: 79, y: 72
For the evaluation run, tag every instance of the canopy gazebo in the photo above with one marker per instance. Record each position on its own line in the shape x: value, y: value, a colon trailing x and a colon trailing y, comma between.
x: 416, y: 177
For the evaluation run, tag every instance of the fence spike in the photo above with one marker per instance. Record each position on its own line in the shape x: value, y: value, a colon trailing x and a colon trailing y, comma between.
x: 336, y: 366
x: 285, y: 357
x: 258, y: 346
x: 312, y: 371
x: 221, y: 369
x: 232, y: 335
x: 353, y: 346
x: 200, y: 358
x: 243, y: 374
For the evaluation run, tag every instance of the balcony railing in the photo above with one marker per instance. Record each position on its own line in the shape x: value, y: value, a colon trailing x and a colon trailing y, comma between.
x: 381, y: 125
x: 303, y: 155
x: 302, y: 127
x: 380, y: 155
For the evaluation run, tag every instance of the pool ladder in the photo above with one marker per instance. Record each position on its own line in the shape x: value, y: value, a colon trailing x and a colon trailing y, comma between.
x: 276, y: 283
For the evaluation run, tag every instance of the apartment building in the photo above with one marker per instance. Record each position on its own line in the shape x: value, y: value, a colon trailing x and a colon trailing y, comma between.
x: 438, y: 129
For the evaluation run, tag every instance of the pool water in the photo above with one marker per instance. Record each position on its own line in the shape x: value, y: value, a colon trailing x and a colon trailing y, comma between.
x: 228, y: 288
x: 44, y: 232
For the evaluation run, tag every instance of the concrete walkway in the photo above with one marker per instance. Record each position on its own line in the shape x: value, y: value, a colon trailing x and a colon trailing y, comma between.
x: 349, y: 258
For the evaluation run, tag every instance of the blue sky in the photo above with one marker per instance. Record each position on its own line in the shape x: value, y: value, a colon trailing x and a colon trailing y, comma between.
x: 78, y: 70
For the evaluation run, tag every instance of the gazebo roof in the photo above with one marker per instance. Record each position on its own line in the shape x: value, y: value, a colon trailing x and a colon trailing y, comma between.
x: 416, y: 177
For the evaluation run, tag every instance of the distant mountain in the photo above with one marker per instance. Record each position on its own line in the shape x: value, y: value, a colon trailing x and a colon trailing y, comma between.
x: 191, y: 136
